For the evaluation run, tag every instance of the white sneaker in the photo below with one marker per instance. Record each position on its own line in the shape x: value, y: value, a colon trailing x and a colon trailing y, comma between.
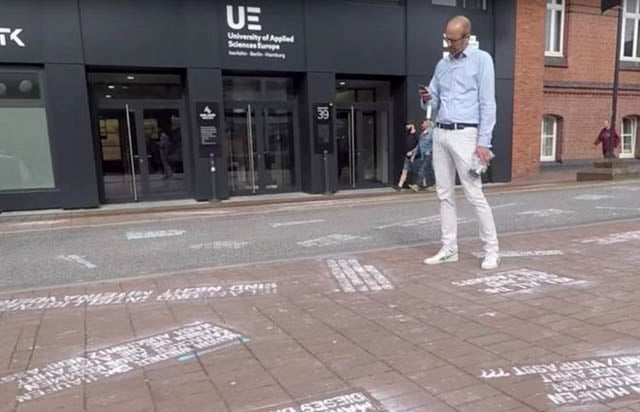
x: 491, y: 261
x: 443, y: 256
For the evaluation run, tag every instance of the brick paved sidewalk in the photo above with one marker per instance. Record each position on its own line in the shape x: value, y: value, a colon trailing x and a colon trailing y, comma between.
x: 557, y: 326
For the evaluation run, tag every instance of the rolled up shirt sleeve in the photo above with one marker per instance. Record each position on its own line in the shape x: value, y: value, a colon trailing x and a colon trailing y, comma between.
x: 434, y: 91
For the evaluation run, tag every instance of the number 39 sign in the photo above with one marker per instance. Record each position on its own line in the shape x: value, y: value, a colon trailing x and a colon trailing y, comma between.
x: 323, y: 127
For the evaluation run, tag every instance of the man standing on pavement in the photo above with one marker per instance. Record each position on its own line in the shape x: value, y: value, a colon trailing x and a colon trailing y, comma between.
x: 462, y: 93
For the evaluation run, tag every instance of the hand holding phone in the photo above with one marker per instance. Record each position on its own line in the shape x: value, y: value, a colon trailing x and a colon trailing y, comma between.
x: 423, y: 91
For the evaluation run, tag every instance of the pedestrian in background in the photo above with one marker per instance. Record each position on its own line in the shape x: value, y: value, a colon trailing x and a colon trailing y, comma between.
x: 411, y: 141
x: 610, y: 141
x: 422, y: 162
x: 462, y: 93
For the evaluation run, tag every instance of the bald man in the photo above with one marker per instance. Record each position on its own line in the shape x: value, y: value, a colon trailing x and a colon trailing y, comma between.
x: 462, y: 93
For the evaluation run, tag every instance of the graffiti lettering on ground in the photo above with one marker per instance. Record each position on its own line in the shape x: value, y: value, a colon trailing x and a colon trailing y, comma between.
x: 222, y: 244
x: 139, y: 296
x: 613, y: 238
x: 331, y: 240
x: 154, y: 234
x: 515, y: 280
x: 523, y: 253
x: 354, y: 277
x: 546, y: 212
x: 592, y: 197
x: 352, y: 401
x: 594, y: 380
x: 116, y: 360
x: 430, y: 222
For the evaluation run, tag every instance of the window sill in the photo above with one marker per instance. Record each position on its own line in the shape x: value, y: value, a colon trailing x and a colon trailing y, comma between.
x: 629, y: 66
x: 555, y: 61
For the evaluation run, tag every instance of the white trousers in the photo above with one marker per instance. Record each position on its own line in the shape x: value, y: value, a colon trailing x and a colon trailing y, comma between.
x: 453, y: 150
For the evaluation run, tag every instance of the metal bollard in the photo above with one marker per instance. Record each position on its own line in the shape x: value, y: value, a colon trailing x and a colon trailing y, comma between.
x: 212, y: 170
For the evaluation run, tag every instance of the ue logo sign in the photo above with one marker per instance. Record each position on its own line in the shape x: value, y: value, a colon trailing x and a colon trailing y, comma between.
x: 250, y: 15
x: 14, y: 36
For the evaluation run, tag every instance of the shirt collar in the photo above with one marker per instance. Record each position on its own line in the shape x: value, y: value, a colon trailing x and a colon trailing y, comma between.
x: 463, y: 53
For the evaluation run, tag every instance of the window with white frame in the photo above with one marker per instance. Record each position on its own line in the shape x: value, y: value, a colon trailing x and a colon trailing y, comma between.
x: 554, y: 28
x: 548, y: 138
x: 628, y: 144
x: 629, y: 47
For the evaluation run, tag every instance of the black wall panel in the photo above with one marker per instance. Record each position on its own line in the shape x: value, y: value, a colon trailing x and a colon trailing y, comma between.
x: 49, y: 31
x: 206, y: 85
x: 147, y: 33
x: 73, y: 156
x: 364, y: 30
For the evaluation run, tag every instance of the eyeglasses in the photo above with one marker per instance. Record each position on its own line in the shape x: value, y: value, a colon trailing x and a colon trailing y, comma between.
x: 450, y: 40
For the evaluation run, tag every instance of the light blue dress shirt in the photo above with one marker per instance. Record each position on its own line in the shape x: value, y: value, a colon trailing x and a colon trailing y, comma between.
x: 463, y: 91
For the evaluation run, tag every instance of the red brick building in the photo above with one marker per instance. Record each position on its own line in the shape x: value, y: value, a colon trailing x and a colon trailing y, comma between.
x: 564, y: 69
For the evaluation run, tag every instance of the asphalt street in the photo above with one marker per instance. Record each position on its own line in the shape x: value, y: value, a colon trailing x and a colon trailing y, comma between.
x: 198, y: 239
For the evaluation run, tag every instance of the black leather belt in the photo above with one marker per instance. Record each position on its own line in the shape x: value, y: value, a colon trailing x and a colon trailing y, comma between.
x: 455, y: 126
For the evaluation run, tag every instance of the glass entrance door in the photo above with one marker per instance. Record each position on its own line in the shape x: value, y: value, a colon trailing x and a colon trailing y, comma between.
x: 141, y: 151
x: 119, y: 151
x: 362, y: 141
x: 261, y: 154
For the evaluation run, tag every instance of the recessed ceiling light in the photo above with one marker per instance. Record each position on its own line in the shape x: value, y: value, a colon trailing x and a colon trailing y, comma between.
x: 130, y: 77
x: 108, y: 96
x: 111, y: 86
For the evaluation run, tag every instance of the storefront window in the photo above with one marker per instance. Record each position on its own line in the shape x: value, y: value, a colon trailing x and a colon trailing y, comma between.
x: 25, y: 154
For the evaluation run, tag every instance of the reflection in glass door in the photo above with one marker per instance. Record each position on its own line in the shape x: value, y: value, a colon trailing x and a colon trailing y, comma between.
x: 261, y: 151
x: 362, y: 146
x: 278, y: 146
x: 345, y: 139
x: 119, y: 148
x: 243, y: 159
x: 164, y: 166
x: 141, y: 151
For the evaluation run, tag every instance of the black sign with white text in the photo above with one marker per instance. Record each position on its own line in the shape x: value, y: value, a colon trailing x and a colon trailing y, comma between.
x: 323, y: 127
x: 208, y: 122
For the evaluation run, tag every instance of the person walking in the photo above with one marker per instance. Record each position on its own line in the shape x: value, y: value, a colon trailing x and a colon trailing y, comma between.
x: 422, y: 158
x: 410, y: 145
x: 462, y: 93
x: 610, y: 141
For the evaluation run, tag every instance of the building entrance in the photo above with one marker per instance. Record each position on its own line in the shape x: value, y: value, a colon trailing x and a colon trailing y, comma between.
x: 362, y: 138
x: 261, y: 117
x: 141, y: 151
x: 140, y: 127
x: 363, y: 130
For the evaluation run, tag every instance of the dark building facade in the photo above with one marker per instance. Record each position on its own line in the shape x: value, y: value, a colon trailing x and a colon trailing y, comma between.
x: 105, y: 101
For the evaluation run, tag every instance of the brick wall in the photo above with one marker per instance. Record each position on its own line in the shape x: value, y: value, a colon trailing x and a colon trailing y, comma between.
x: 585, y: 102
x: 583, y: 114
x: 528, y: 86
